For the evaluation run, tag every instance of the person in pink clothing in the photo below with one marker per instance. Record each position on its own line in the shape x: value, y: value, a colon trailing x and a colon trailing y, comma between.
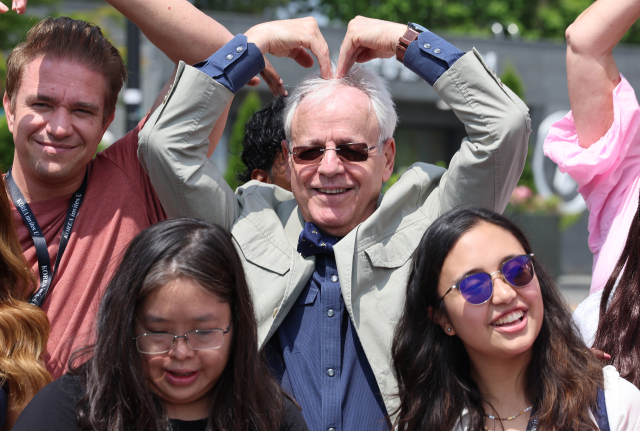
x: 598, y: 144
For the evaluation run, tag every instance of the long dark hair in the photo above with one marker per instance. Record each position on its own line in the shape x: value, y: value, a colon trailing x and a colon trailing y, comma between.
x: 433, y: 369
x: 619, y: 323
x: 117, y: 397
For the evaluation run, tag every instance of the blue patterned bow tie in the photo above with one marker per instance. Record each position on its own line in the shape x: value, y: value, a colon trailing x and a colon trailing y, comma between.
x: 312, y: 241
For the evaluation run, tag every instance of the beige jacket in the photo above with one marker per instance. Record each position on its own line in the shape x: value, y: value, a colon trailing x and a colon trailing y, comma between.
x: 373, y: 260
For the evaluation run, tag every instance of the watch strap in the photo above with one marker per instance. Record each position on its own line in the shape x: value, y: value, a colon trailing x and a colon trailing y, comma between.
x: 403, y: 44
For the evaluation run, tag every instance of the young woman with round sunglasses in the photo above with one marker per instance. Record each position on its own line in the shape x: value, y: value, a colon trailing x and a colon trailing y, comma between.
x: 487, y: 342
x: 176, y: 346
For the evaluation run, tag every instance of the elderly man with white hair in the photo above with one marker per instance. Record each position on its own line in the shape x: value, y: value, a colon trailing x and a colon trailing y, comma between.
x: 328, y: 263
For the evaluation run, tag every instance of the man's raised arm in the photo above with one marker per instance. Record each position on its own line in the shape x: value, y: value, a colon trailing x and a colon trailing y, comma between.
x: 173, y: 144
x: 490, y: 161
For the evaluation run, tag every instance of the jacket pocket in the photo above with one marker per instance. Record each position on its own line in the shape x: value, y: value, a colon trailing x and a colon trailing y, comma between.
x: 260, y: 250
x: 390, y: 264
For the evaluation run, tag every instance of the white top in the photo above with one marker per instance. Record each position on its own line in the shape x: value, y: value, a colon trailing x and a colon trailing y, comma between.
x: 587, y: 314
x: 622, y: 399
x: 586, y: 317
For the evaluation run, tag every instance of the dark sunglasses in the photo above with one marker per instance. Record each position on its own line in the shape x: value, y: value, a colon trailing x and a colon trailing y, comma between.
x: 311, y: 155
x: 478, y: 288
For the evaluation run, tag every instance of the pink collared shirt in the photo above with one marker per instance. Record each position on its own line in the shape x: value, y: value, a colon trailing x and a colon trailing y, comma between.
x: 608, y: 174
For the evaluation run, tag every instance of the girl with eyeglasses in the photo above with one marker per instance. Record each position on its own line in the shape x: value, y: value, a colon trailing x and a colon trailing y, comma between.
x: 24, y: 328
x: 176, y: 346
x: 486, y: 341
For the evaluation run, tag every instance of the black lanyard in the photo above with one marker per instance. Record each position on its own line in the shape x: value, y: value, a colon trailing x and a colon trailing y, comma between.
x: 44, y: 261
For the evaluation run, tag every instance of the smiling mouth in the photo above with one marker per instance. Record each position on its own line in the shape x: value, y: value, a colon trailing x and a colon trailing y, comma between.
x: 187, y: 374
x: 332, y: 191
x: 509, y: 319
x: 55, y: 146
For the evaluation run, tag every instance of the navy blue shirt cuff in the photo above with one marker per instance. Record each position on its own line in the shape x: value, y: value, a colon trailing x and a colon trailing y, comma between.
x: 234, y: 64
x: 430, y: 56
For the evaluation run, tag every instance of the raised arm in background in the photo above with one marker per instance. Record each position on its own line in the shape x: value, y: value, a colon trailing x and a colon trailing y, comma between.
x: 591, y: 70
x: 179, y: 30
x: 184, y: 33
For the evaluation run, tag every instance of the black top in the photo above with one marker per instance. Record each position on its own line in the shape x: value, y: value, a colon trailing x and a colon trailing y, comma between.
x: 54, y: 409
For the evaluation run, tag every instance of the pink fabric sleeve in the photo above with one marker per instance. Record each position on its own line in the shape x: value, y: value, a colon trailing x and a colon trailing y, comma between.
x: 606, y: 172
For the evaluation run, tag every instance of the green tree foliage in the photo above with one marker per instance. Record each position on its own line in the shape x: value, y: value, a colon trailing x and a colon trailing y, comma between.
x: 13, y: 27
x: 250, y: 104
x: 535, y: 18
x: 244, y: 6
x: 6, y: 145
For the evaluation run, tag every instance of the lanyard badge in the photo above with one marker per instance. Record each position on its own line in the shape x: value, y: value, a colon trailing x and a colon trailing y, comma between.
x: 44, y: 261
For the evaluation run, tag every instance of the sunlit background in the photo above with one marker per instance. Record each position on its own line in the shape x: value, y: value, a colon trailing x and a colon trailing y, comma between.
x: 522, y: 40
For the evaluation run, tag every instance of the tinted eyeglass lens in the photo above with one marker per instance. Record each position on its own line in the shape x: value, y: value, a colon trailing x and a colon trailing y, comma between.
x: 518, y: 271
x: 311, y: 155
x: 307, y: 155
x: 353, y: 152
x: 476, y: 288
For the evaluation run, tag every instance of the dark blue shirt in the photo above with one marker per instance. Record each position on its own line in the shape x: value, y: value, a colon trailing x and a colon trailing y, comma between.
x: 317, y: 356
x: 316, y: 353
x: 234, y: 64
x: 238, y: 61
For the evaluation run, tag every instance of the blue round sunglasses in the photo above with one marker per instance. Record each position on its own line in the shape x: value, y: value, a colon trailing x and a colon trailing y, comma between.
x: 477, y: 288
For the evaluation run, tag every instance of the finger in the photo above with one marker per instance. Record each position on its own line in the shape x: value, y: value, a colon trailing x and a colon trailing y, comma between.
x: 20, y: 6
x: 302, y: 57
x: 3, y: 8
x: 254, y: 82
x: 320, y: 49
x: 601, y: 355
x: 273, y: 80
x: 365, y: 55
x: 345, y: 60
x: 355, y: 58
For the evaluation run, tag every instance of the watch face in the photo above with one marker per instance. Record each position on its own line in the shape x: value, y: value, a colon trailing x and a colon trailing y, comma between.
x: 417, y: 27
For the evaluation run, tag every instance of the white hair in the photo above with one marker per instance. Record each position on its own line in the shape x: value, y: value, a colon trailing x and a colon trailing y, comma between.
x: 318, y: 90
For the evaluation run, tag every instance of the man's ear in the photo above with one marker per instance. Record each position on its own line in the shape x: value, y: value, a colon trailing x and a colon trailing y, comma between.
x: 261, y: 175
x: 440, y: 317
x: 108, y: 122
x: 285, y: 154
x: 7, y: 111
x: 389, y: 153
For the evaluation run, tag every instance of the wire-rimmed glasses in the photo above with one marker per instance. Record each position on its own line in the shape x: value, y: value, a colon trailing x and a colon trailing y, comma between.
x: 161, y: 342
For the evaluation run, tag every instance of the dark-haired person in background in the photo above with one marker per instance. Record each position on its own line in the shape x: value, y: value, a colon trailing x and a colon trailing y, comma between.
x: 486, y: 342
x: 176, y: 346
x: 62, y: 86
x: 598, y: 144
x: 262, y: 146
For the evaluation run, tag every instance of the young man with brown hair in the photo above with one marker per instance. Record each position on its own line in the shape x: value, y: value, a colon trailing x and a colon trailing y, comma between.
x: 75, y: 214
